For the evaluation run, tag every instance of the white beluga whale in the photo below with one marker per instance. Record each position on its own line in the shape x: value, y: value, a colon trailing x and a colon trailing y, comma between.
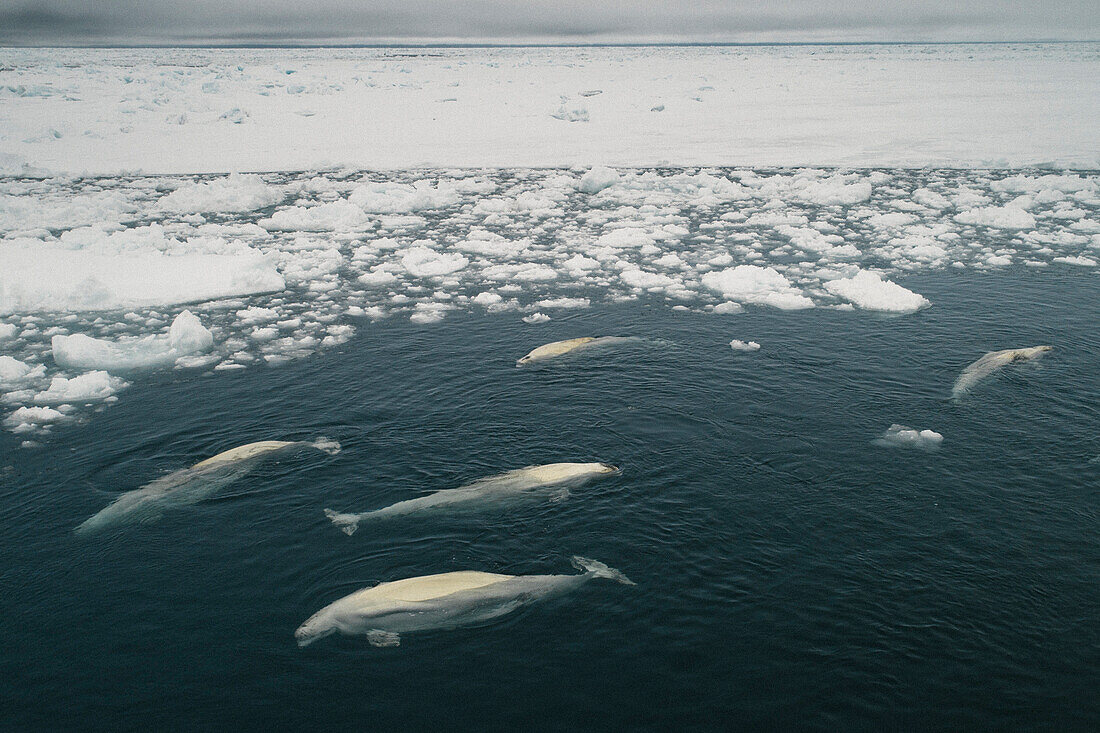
x: 551, y: 480
x: 990, y: 363
x: 446, y: 601
x: 191, y: 485
x: 559, y: 348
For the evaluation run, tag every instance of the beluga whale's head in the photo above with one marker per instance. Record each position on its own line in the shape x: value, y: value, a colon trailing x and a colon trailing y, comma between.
x: 317, y: 626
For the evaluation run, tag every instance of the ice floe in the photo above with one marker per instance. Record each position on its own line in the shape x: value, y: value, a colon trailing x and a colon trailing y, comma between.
x: 739, y: 345
x: 904, y: 437
x: 293, y: 264
x: 869, y: 291
x: 186, y: 336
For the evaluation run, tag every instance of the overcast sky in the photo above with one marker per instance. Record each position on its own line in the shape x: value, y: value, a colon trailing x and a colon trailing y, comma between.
x: 30, y: 22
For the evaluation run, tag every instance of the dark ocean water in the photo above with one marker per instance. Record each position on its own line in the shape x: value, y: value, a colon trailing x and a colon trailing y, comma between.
x: 791, y: 574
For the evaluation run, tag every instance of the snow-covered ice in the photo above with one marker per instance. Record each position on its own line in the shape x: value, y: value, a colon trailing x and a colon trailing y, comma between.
x: 504, y: 209
x: 186, y: 336
x: 221, y: 110
x: 869, y: 291
x: 99, y: 287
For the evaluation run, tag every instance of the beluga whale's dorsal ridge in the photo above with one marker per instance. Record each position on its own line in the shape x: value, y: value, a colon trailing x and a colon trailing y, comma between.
x: 549, y: 481
x: 561, y: 348
x: 555, y: 348
x: 443, y: 601
x: 191, y: 485
x: 990, y: 363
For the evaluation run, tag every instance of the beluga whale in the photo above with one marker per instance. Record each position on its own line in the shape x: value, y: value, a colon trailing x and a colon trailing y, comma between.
x: 560, y: 348
x: 191, y: 485
x: 551, y: 480
x: 990, y: 363
x: 445, y: 601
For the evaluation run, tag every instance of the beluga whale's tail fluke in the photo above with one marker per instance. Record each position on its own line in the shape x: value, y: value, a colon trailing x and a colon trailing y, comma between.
x: 346, y: 523
x: 599, y: 570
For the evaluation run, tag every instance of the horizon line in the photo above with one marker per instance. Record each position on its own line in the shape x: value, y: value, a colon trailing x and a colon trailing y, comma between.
x: 523, y: 44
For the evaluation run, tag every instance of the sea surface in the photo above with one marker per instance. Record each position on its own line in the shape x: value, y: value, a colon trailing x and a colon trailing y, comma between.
x: 791, y: 574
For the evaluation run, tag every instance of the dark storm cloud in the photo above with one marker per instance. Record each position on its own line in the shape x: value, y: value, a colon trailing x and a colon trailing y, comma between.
x: 193, y: 21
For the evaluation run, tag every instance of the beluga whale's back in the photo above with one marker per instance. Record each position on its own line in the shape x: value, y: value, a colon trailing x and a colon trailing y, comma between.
x: 560, y: 348
x: 990, y: 363
x: 191, y: 485
x: 551, y: 480
x: 555, y: 348
x: 444, y: 601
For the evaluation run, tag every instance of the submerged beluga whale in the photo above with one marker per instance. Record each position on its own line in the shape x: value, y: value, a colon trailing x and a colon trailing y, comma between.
x: 446, y: 601
x: 551, y: 479
x: 990, y: 363
x: 191, y: 485
x: 559, y: 348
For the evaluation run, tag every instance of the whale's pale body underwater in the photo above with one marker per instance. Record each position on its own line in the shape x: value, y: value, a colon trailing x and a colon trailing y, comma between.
x: 555, y: 348
x: 445, y: 601
x: 529, y: 481
x: 190, y: 485
x: 559, y: 348
x: 990, y: 363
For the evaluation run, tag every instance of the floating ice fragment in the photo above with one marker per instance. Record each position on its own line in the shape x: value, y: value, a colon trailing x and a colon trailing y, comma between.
x: 597, y: 179
x: 754, y: 284
x: 420, y: 261
x: 998, y: 217
x: 36, y: 276
x: 28, y: 419
x: 12, y: 370
x: 738, y: 345
x: 91, y: 387
x: 536, y: 318
x: 869, y: 291
x: 235, y: 193
x: 904, y: 437
x: 186, y: 336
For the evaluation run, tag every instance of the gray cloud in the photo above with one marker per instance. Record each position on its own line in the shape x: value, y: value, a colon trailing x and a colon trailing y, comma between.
x: 29, y: 22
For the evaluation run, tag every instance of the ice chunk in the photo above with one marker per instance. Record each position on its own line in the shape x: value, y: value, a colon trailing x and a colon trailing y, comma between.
x: 430, y: 312
x: 186, y: 336
x: 334, y: 216
x: 36, y: 276
x: 625, y: 237
x: 728, y: 308
x: 597, y: 179
x: 998, y: 217
x: 234, y: 193
x: 536, y: 318
x: 580, y: 262
x: 27, y: 419
x: 904, y: 437
x: 754, y: 284
x: 738, y: 345
x: 869, y: 291
x: 7, y: 330
x: 420, y: 261
x: 637, y: 278
x: 91, y: 387
x: 12, y: 370
x: 402, y: 198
